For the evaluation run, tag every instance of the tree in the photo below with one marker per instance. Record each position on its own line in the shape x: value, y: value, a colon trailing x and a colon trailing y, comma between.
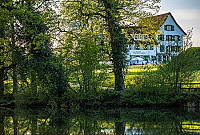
x: 187, y: 40
x: 38, y: 62
x: 8, y: 48
x: 82, y: 61
x: 182, y: 67
x: 26, y: 51
x: 106, y: 16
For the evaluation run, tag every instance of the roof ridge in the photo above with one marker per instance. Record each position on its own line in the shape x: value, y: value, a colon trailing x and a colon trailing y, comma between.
x: 168, y: 13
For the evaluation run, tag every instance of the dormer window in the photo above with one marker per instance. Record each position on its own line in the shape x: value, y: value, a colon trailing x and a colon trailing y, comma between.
x: 169, y: 27
x: 136, y: 37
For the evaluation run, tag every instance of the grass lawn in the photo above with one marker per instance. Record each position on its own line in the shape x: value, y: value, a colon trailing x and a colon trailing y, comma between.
x: 137, y: 70
x: 130, y: 73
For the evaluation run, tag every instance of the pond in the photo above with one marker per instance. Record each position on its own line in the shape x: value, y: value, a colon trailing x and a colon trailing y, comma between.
x: 138, y: 121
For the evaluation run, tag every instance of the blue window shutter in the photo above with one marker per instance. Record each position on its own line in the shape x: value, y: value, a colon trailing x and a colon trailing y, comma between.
x: 167, y: 37
x: 163, y: 37
x: 165, y: 27
x: 160, y: 37
x: 172, y: 27
x: 173, y: 38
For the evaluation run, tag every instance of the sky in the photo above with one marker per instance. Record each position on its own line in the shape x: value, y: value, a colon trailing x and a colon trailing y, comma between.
x: 187, y: 15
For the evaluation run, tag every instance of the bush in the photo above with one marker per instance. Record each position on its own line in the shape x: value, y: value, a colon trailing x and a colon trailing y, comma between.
x: 152, y: 89
x: 153, y: 96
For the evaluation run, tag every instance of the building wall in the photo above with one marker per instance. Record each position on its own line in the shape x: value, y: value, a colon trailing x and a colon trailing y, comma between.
x: 176, y: 31
x: 167, y: 47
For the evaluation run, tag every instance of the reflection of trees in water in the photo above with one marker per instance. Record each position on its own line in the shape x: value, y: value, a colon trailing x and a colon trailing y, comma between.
x: 113, y: 122
x: 1, y: 124
x: 15, y: 124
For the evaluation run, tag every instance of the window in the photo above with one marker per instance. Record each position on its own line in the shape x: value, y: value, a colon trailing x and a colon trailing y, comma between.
x: 173, y: 38
x: 151, y: 47
x: 130, y: 47
x: 161, y: 37
x: 173, y: 48
x: 162, y: 48
x: 146, y: 58
x: 148, y: 47
x: 137, y: 47
x: 133, y: 47
x: 177, y: 38
x: 169, y: 27
x: 146, y: 37
x: 169, y: 37
x: 141, y: 37
x: 136, y: 37
x: 145, y: 47
x: 167, y: 48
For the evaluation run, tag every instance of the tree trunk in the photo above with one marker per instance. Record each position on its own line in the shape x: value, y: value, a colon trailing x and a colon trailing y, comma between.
x: 177, y: 70
x: 119, y: 79
x: 34, y: 126
x: 2, y: 125
x: 1, y: 83
x: 117, y: 43
x: 15, y: 85
x: 120, y: 128
x: 15, y: 124
x: 14, y: 59
x: 33, y: 84
x: 119, y: 125
x: 1, y: 73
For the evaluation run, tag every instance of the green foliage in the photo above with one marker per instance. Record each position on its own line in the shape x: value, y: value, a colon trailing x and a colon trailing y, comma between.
x: 153, y: 96
x: 105, y: 16
x: 161, y: 87
x: 92, y: 36
x: 25, y: 46
x: 189, y: 60
x: 148, y: 90
x: 182, y: 67
x: 50, y: 85
x: 81, y: 56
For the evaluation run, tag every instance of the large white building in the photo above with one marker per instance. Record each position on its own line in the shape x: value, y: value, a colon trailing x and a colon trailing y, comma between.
x: 169, y: 42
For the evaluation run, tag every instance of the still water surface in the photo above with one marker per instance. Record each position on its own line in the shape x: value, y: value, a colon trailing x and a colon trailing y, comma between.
x: 99, y: 122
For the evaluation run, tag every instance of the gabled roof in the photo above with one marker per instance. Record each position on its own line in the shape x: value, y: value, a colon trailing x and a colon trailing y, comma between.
x: 161, y: 18
x: 153, y: 22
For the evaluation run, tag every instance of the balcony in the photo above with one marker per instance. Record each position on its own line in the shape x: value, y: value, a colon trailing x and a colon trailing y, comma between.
x: 142, y: 52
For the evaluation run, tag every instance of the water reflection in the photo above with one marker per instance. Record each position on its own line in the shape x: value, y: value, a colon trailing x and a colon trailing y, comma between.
x: 99, y: 122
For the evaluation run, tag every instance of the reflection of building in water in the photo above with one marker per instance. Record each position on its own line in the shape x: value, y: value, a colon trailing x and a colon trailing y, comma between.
x: 169, y: 41
x: 133, y: 132
x: 128, y: 131
x: 186, y: 127
x: 107, y: 131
